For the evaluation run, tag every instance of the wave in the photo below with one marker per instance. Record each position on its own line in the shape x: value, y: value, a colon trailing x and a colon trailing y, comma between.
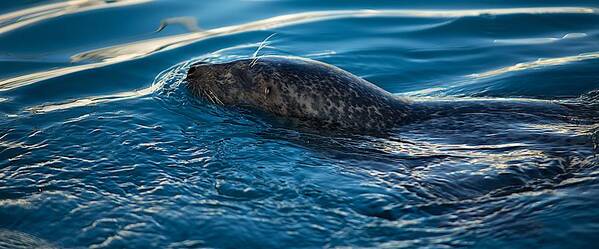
x: 536, y: 64
x: 16, y: 239
x: 130, y: 51
x: 559, y: 77
x: 176, y: 73
x: 536, y: 41
x: 25, y: 17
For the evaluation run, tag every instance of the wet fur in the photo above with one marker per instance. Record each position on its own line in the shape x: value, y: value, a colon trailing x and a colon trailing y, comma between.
x: 303, y: 89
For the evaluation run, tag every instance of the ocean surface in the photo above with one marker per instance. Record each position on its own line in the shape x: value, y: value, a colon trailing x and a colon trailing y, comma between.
x: 102, y: 146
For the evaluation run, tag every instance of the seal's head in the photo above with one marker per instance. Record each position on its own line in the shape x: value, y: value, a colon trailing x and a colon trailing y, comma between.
x: 270, y: 84
x: 295, y: 87
x: 231, y: 84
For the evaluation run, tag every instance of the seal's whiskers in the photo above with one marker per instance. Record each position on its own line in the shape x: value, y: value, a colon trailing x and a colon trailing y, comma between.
x: 216, y: 98
x: 262, y: 45
x: 208, y: 96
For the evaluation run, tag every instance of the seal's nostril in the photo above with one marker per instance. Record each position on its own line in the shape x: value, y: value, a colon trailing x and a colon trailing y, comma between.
x: 191, y: 70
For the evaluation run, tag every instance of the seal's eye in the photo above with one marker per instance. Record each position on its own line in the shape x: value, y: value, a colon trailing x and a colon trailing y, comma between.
x: 266, y: 90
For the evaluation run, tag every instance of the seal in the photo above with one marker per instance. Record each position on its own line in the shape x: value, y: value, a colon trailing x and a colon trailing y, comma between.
x: 323, y: 95
x: 304, y: 89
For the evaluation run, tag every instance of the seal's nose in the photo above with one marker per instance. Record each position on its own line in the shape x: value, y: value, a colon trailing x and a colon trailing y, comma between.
x: 195, y: 66
x: 192, y: 69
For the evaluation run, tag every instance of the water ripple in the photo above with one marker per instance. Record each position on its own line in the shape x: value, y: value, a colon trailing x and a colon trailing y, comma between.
x: 126, y: 52
x: 543, y: 62
x: 21, y: 18
x: 123, y: 156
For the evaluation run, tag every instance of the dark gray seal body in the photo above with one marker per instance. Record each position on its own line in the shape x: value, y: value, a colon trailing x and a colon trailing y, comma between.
x: 299, y: 88
x: 326, y: 96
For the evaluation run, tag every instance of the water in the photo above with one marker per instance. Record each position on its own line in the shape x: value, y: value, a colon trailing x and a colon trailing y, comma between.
x: 101, y: 146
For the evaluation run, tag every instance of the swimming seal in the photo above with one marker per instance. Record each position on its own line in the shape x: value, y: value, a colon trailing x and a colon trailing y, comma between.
x: 299, y: 88
x: 322, y: 94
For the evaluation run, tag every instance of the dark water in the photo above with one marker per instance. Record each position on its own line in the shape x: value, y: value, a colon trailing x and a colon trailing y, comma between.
x: 102, y: 147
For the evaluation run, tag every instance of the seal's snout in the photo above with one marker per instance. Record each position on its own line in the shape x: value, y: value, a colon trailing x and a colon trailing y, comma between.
x: 199, y: 74
x: 205, y: 80
x: 194, y: 68
x: 196, y: 78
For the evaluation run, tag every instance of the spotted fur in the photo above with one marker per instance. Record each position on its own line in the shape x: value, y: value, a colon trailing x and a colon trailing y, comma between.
x: 299, y: 88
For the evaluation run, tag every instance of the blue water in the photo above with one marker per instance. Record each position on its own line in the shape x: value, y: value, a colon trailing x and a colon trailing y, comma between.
x: 101, y: 146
